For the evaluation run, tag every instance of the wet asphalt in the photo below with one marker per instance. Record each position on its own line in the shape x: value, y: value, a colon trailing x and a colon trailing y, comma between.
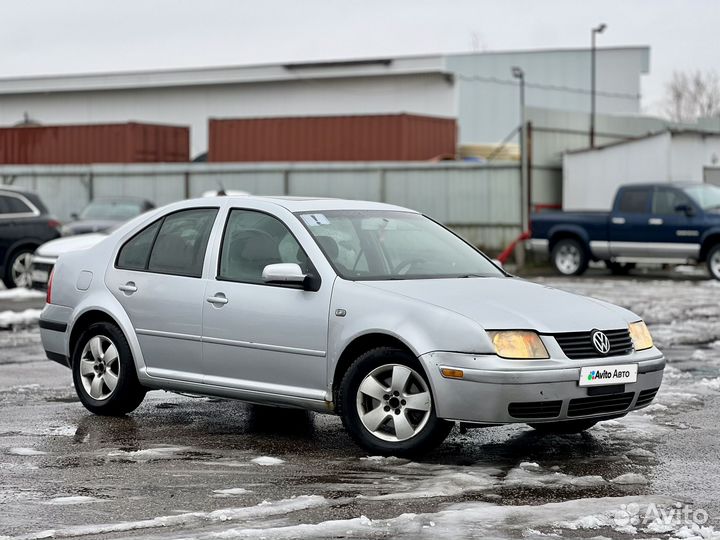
x: 62, y: 467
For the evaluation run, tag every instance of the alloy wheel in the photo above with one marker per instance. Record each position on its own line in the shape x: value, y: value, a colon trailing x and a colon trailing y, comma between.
x: 394, y: 402
x: 99, y: 367
x: 567, y: 259
x: 714, y: 264
x: 21, y: 271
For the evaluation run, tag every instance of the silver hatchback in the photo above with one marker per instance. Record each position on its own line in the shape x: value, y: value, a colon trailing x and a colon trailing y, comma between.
x: 366, y: 310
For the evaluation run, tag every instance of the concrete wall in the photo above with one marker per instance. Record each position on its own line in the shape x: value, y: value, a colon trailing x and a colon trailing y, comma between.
x: 690, y: 154
x: 481, y: 202
x: 488, y: 96
x: 592, y: 178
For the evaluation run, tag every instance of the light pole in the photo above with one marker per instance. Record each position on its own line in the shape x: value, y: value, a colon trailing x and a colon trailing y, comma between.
x: 519, y: 74
x: 597, y: 30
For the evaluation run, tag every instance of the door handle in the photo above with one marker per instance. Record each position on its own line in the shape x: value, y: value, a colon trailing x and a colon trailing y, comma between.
x: 655, y: 221
x: 219, y: 299
x: 618, y: 221
x: 128, y: 288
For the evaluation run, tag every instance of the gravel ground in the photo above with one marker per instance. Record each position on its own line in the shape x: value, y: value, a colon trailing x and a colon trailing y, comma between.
x: 207, y: 468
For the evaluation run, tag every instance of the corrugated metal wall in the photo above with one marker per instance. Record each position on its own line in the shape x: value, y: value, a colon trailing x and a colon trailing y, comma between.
x: 94, y: 143
x: 391, y: 137
x: 481, y: 202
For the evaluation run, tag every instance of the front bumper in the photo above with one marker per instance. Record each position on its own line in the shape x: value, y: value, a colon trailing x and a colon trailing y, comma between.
x: 498, y: 391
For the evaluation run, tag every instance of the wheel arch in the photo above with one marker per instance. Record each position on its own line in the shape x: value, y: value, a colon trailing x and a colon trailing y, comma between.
x: 84, y: 321
x: 361, y: 344
x: 574, y: 233
x: 18, y: 246
x: 710, y: 239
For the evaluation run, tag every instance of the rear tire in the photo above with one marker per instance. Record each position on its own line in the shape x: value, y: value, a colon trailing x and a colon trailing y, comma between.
x: 104, y: 371
x: 17, y: 271
x: 713, y: 261
x: 394, y: 413
x: 569, y: 257
x: 571, y: 426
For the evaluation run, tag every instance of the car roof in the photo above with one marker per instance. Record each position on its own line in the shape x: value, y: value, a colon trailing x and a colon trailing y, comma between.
x: 305, y: 204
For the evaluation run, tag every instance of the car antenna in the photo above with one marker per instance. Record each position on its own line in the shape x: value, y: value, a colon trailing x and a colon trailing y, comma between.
x: 221, y: 192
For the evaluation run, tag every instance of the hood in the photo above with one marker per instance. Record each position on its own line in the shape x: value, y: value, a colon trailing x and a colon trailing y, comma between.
x: 87, y: 226
x: 60, y: 246
x: 512, y: 303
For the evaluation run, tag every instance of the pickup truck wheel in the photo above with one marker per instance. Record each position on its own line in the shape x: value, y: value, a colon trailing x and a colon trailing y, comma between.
x: 570, y: 426
x: 104, y: 371
x: 386, y: 404
x: 713, y: 261
x: 569, y: 257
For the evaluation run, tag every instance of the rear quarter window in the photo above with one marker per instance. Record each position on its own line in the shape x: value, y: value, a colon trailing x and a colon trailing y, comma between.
x: 634, y: 201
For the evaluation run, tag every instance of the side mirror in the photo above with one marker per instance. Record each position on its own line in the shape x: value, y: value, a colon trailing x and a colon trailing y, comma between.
x: 685, y: 209
x: 284, y: 273
x: 74, y: 216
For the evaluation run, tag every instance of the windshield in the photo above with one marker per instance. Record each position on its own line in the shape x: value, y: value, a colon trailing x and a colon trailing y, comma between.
x: 377, y: 245
x: 112, y: 210
x: 707, y: 197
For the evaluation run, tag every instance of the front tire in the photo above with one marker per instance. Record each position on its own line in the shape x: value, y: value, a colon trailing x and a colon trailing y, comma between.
x: 713, y: 261
x: 387, y: 407
x: 569, y: 257
x: 18, y: 272
x: 570, y: 426
x: 104, y: 371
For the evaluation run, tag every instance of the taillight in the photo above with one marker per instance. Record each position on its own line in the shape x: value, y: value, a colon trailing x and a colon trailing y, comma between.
x: 48, y: 295
x: 54, y: 224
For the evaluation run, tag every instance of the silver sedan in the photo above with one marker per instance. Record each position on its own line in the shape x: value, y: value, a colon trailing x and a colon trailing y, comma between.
x: 366, y: 310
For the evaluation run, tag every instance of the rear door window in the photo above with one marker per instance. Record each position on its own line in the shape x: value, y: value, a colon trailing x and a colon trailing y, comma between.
x: 13, y: 205
x: 635, y: 201
x: 181, y: 242
x: 175, y: 244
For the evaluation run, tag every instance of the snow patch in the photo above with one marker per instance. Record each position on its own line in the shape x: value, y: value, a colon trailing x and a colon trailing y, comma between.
x: 267, y: 461
x: 231, y: 492
x: 150, y: 454
x: 77, y: 499
x: 18, y: 318
x: 630, y: 479
x: 259, y: 511
x: 20, y: 293
x: 26, y: 452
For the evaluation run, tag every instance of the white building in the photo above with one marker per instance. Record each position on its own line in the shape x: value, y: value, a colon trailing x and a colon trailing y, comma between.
x: 477, y: 88
x: 591, y: 177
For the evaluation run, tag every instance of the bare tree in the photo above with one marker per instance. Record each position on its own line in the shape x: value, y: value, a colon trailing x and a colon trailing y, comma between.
x: 692, y: 95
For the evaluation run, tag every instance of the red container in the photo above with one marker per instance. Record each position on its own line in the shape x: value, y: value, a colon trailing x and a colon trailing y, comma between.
x: 397, y: 137
x: 94, y: 143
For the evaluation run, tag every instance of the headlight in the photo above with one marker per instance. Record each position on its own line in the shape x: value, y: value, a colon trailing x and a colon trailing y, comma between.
x: 640, y: 335
x: 518, y: 344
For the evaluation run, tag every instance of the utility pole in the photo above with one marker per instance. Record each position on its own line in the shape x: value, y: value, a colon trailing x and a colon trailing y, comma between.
x: 597, y: 30
x: 519, y: 74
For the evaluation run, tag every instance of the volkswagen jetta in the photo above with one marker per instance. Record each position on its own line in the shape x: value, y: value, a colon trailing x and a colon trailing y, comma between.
x: 366, y: 310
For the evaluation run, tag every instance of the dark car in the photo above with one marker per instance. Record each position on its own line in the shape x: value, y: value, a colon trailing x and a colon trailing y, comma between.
x: 25, y: 223
x: 649, y: 223
x: 104, y: 213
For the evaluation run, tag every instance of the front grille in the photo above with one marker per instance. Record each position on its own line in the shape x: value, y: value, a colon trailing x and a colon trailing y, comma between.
x: 579, y: 345
x: 645, y: 397
x: 535, y: 409
x: 600, y: 404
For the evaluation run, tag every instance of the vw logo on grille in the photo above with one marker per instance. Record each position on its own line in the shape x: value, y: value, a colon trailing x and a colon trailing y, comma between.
x: 601, y: 342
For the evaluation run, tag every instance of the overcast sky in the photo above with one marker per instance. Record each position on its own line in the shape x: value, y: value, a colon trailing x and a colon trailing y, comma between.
x: 77, y: 36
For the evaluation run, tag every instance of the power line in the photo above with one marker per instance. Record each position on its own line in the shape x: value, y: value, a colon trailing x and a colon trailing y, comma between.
x: 541, y: 86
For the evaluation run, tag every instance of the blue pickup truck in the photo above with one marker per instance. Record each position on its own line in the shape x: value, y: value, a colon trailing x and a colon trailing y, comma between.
x: 649, y: 223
